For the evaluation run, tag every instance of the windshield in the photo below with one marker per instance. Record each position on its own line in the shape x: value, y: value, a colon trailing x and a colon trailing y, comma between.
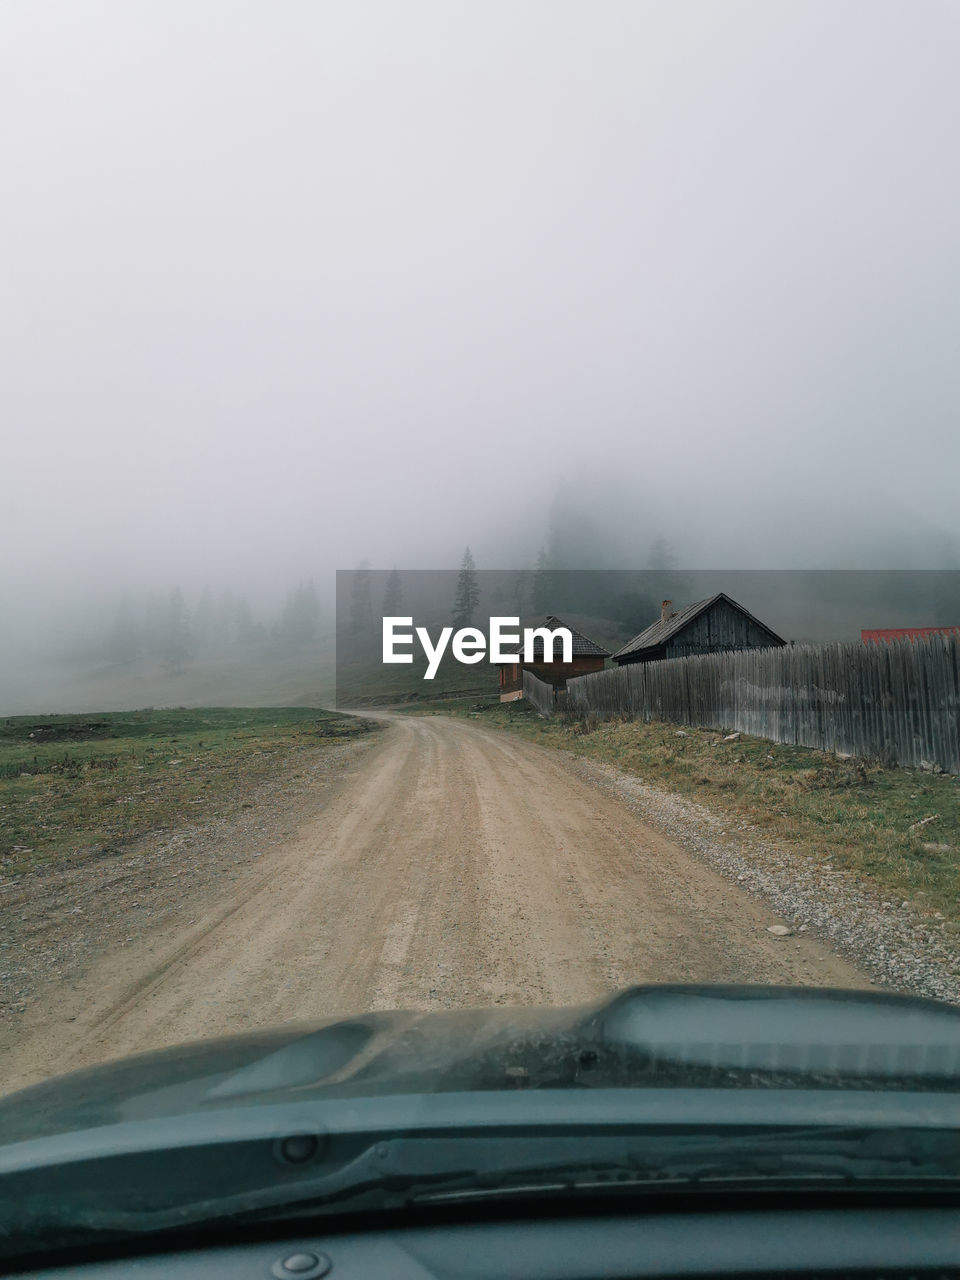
x: 481, y: 608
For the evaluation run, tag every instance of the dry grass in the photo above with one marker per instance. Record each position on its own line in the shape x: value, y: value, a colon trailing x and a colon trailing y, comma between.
x: 74, y: 787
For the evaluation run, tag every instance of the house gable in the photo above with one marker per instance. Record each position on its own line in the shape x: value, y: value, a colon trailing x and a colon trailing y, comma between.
x: 714, y: 625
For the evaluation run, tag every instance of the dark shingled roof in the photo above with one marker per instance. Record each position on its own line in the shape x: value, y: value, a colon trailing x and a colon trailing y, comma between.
x: 664, y: 629
x: 583, y: 647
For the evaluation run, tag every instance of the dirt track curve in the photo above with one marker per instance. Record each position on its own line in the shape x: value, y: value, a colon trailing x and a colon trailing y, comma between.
x: 452, y: 866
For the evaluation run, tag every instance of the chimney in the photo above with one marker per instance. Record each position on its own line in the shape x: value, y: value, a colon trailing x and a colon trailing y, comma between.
x: 666, y: 610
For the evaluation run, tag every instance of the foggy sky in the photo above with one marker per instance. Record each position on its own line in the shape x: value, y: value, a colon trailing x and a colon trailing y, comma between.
x: 291, y: 284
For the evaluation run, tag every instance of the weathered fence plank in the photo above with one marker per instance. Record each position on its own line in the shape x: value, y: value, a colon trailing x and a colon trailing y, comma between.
x: 896, y: 701
x: 540, y: 693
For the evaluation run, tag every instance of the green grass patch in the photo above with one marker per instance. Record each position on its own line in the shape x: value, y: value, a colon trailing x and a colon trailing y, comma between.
x: 896, y: 829
x: 75, y: 786
x: 367, y: 684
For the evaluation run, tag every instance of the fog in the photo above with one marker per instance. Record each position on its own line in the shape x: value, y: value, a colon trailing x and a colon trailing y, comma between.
x: 292, y: 286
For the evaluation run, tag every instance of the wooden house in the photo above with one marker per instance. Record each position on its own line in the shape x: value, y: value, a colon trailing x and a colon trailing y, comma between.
x: 716, y: 625
x: 587, y: 656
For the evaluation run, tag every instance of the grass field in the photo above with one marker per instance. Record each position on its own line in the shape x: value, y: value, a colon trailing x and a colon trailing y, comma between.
x: 76, y: 786
x: 373, y: 683
x: 257, y: 677
x: 898, y: 829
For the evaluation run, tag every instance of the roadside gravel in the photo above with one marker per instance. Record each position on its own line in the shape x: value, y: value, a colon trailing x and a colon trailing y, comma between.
x: 900, y: 945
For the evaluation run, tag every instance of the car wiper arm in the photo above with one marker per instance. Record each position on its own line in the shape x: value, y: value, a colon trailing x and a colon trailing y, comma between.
x: 406, y: 1171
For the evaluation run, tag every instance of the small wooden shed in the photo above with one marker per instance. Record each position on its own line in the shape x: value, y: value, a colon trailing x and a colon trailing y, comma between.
x: 587, y: 656
x: 716, y: 625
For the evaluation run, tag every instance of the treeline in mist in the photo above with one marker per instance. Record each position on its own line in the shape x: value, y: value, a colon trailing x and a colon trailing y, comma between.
x: 173, y: 629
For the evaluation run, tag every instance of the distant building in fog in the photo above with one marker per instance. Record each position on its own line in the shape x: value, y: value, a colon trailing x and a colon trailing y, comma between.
x: 587, y: 656
x: 716, y: 625
x: 875, y: 635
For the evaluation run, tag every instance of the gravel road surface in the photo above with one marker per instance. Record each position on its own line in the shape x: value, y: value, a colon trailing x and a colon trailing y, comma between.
x: 447, y: 866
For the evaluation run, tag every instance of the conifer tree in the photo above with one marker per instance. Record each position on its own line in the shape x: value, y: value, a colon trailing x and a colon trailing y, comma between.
x: 468, y: 592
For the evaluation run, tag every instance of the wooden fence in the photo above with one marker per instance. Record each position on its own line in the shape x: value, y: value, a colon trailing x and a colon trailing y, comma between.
x: 542, y: 695
x: 897, y: 702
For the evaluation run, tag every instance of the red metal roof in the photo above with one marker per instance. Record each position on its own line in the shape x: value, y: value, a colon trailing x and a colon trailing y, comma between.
x: 875, y: 635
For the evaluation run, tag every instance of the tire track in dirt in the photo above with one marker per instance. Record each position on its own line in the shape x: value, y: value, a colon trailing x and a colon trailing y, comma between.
x: 450, y: 867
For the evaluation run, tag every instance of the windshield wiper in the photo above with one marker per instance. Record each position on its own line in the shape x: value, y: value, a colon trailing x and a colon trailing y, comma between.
x: 421, y: 1171
x: 404, y: 1172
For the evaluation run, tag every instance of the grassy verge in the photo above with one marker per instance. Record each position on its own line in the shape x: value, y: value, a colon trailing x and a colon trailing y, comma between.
x: 896, y: 829
x: 76, y: 786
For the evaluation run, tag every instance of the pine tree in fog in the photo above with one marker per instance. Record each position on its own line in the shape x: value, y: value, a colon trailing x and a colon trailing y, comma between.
x: 205, y: 621
x: 300, y: 617
x: 541, y: 583
x: 176, y: 637
x: 392, y: 594
x: 246, y: 629
x: 468, y: 592
x: 124, y: 643
x: 362, y: 633
x: 662, y: 555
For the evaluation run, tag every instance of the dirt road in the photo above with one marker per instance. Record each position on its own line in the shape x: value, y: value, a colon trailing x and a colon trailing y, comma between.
x: 452, y: 866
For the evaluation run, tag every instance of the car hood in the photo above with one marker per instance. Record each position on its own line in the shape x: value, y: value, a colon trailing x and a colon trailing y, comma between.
x: 684, y: 1036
